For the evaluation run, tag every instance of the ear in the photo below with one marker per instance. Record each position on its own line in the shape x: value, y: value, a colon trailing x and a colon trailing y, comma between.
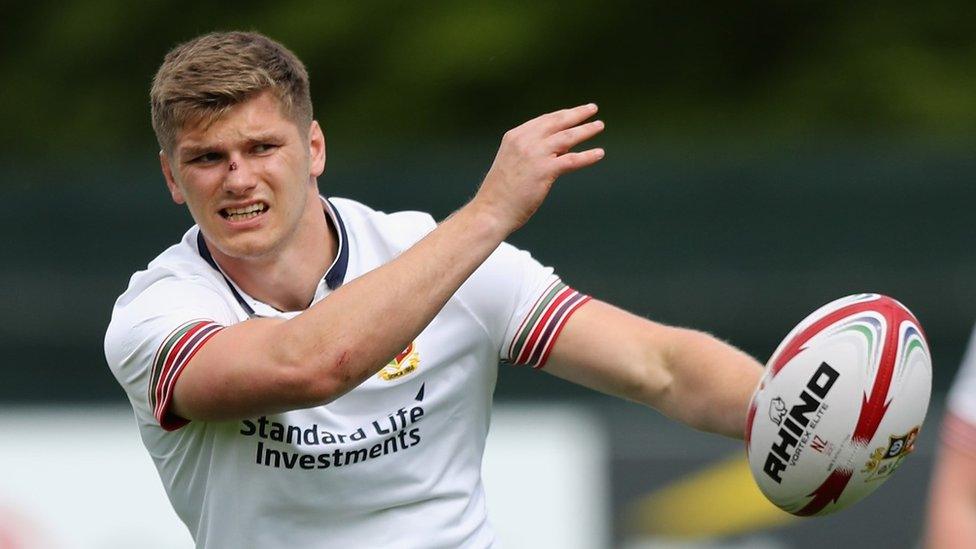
x: 316, y: 150
x: 174, y: 189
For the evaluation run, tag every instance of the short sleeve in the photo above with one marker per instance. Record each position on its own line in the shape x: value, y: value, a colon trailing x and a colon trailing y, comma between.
x: 959, y: 426
x: 523, y: 305
x: 154, y: 334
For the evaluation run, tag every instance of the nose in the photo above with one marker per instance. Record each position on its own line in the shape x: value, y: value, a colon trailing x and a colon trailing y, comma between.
x: 239, y: 179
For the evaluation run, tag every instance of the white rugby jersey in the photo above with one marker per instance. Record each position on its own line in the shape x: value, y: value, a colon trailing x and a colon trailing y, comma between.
x: 396, y: 462
x: 959, y: 425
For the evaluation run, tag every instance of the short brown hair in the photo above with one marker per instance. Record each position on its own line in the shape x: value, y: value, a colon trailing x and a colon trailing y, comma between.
x: 200, y: 79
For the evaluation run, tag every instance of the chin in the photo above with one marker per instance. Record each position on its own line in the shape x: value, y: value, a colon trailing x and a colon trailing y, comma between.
x: 253, y: 251
x: 250, y: 246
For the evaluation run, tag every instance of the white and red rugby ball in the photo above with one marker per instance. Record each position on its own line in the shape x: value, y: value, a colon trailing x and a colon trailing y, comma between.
x: 840, y: 405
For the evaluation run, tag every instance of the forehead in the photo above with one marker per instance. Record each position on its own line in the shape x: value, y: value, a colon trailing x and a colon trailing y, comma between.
x: 261, y: 116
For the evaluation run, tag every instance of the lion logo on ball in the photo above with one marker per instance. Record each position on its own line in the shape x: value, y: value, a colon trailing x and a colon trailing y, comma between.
x: 777, y: 410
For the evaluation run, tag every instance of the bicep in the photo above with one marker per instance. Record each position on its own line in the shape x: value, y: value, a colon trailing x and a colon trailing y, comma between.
x: 239, y: 372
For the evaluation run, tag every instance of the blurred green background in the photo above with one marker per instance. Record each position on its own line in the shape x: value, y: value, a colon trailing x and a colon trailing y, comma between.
x: 763, y: 157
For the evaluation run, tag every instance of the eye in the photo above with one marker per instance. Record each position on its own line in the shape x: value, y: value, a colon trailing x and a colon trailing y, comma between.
x: 264, y: 148
x: 206, y: 158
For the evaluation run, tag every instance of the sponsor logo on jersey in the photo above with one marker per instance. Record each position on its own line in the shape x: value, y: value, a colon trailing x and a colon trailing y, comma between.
x: 304, y: 446
x: 402, y: 364
x: 884, y: 460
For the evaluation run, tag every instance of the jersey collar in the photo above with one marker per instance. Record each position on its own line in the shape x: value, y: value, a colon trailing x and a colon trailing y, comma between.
x: 334, y: 276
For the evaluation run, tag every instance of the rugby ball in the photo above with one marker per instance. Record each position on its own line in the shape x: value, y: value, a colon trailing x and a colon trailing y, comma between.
x: 840, y: 405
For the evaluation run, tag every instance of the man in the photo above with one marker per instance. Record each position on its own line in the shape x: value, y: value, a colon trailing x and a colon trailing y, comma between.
x: 309, y: 372
x: 952, y: 497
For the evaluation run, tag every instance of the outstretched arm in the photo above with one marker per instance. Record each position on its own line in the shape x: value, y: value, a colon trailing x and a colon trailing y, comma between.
x: 688, y: 375
x: 270, y: 365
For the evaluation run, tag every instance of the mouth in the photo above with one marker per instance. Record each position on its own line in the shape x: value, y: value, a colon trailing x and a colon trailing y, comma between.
x: 244, y: 213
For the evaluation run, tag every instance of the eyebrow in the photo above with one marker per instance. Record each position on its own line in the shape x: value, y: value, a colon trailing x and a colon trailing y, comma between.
x: 192, y: 151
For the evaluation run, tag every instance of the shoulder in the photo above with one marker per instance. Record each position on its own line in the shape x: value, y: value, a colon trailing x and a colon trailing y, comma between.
x: 176, y: 285
x: 180, y: 264
x: 402, y: 228
x: 170, y: 305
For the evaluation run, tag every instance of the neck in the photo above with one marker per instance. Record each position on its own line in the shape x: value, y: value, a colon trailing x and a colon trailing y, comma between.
x: 287, y: 278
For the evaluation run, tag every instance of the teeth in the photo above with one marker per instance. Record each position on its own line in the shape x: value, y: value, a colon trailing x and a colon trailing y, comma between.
x: 247, y: 212
x: 247, y: 209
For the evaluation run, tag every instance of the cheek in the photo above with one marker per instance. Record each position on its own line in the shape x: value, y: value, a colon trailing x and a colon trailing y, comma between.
x: 198, y: 187
x: 288, y: 172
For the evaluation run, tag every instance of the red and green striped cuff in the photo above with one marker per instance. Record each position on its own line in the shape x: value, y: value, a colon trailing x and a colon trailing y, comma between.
x: 541, y: 326
x: 171, y: 357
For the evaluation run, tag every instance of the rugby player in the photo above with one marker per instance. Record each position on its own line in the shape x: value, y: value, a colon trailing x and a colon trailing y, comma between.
x: 307, y: 371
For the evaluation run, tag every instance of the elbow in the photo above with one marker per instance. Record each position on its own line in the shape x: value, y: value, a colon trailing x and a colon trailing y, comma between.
x: 337, y: 377
x: 669, y: 357
x: 672, y: 389
x: 312, y: 377
x: 653, y: 382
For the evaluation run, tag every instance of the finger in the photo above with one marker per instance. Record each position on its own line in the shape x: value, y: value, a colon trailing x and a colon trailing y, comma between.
x: 552, y: 122
x: 570, y: 162
x: 561, y: 142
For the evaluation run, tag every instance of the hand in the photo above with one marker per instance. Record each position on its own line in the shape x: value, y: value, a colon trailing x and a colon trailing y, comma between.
x: 530, y: 159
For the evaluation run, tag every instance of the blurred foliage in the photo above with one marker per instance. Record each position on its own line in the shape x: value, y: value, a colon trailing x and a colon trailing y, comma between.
x: 74, y: 74
x: 764, y: 155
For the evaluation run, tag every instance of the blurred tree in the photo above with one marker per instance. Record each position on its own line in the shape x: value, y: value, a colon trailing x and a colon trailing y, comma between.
x: 74, y: 74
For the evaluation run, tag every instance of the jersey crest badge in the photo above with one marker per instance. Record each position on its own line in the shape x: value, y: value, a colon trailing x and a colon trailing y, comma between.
x: 402, y: 364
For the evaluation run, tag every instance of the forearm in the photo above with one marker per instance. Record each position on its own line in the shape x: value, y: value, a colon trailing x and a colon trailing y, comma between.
x: 687, y: 375
x: 711, y: 383
x: 346, y: 338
